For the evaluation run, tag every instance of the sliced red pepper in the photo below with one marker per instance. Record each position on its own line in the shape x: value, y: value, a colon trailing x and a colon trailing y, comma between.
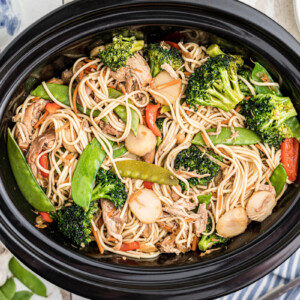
x: 46, y: 217
x: 290, y: 157
x: 52, y: 107
x: 151, y: 115
x: 173, y: 44
x: 148, y: 185
x: 44, y: 162
x: 130, y: 246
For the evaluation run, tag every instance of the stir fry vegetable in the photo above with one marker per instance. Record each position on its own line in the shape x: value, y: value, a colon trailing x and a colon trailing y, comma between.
x: 244, y: 137
x: 278, y: 178
x: 151, y: 115
x: 26, y: 181
x: 85, y: 173
x: 145, y: 171
x: 290, y: 157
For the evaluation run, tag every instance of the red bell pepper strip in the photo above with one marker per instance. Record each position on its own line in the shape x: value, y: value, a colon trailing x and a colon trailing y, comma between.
x: 151, y: 115
x: 44, y: 162
x: 52, y: 107
x: 148, y: 185
x: 290, y: 157
x: 130, y: 246
x: 46, y: 217
x: 173, y: 44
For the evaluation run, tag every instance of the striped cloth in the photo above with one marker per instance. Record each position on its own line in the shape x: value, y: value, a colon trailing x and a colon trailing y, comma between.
x: 283, y: 274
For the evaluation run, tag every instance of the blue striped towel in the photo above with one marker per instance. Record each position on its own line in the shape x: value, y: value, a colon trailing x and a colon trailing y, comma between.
x: 283, y: 274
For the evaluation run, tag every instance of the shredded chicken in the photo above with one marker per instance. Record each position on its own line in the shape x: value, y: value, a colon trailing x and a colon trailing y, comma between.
x: 178, y: 210
x: 43, y: 142
x: 31, y: 116
x: 170, y: 70
x: 66, y: 76
x: 186, y: 174
x: 113, y: 223
x: 149, y: 157
x: 200, y: 224
x: 174, y: 195
x: 167, y: 245
x: 108, y: 129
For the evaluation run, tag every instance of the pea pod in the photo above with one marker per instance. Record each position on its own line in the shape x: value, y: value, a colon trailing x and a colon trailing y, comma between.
x: 245, y: 137
x: 84, y: 175
x: 119, y: 151
x: 278, y: 178
x: 145, y: 171
x: 204, y: 198
x: 8, y: 289
x: 26, y: 181
x: 22, y: 295
x: 27, y: 278
x: 165, y: 108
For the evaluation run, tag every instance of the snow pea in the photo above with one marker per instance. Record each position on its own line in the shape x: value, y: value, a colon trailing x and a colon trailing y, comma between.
x: 204, y: 198
x: 119, y: 150
x: 278, y: 178
x: 26, y: 181
x: 85, y: 172
x: 27, y: 278
x: 22, y: 295
x: 245, y: 137
x: 145, y: 171
x: 165, y: 108
x: 8, y: 289
x: 257, y: 73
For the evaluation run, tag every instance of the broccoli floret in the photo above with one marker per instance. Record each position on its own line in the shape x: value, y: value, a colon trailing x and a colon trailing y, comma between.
x: 266, y: 115
x: 110, y: 187
x: 192, y: 159
x: 243, y: 87
x: 115, y: 54
x: 208, y: 241
x: 158, y: 55
x: 75, y: 224
x: 215, y: 84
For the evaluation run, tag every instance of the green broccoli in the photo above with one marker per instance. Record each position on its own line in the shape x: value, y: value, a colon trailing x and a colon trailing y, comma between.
x: 266, y: 115
x: 110, y: 187
x: 192, y: 159
x: 158, y: 55
x: 215, y: 84
x: 115, y: 54
x: 208, y: 241
x: 75, y: 224
x: 243, y: 87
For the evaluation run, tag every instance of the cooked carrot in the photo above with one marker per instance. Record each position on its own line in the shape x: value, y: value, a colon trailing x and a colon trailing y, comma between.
x: 214, y: 194
x: 167, y: 84
x: 247, y: 98
x: 67, y: 180
x: 238, y: 108
x: 63, y: 127
x: 104, y: 73
x: 88, y: 60
x: 35, y: 99
x: 188, y: 112
x: 109, y: 214
x: 220, y: 202
x: 206, y: 141
x: 166, y: 227
x: 194, y: 244
x: 69, y: 157
x: 52, y: 107
x: 265, y: 78
x: 97, y: 240
x: 123, y: 89
x: 187, y: 73
x: 138, y: 70
x: 95, y: 67
x: 41, y: 120
x: 111, y: 239
x: 226, y: 121
x: 110, y: 87
x: 249, y: 187
x: 260, y: 148
x: 190, y: 220
x: 134, y: 196
x: 74, y: 99
x: 90, y: 86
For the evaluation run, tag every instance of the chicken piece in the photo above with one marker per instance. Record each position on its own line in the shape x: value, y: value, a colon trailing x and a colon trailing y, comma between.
x: 43, y: 142
x: 113, y: 223
x: 66, y: 76
x: 149, y: 157
x: 108, y: 129
x: 31, y: 116
x: 269, y: 188
x: 167, y: 245
x: 178, y: 210
x: 200, y: 224
x: 174, y: 195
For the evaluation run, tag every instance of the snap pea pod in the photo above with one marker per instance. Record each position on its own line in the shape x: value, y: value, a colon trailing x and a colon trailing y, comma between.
x: 204, y: 198
x: 145, y: 171
x: 257, y: 73
x: 278, y: 178
x: 84, y: 175
x: 8, y: 289
x: 27, y: 278
x: 61, y: 93
x: 26, y: 181
x: 245, y: 137
x: 22, y: 295
x: 165, y: 108
x: 119, y: 151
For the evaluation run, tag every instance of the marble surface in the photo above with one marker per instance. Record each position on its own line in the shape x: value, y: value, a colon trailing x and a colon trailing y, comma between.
x: 281, y: 11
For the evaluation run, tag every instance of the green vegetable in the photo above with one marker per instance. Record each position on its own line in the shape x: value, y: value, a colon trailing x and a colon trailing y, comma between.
x: 278, y: 178
x: 215, y: 84
x: 257, y: 73
x: 158, y: 55
x: 145, y: 171
x: 8, y: 289
x: 26, y: 181
x: 75, y: 223
x: 116, y: 53
x: 109, y: 186
x: 22, y: 295
x: 243, y: 87
x: 294, y: 126
x: 266, y: 115
x: 84, y: 175
x: 245, y: 137
x: 119, y: 151
x: 208, y: 241
x: 27, y: 278
x: 165, y: 108
x: 204, y: 198
x: 159, y: 122
x: 193, y: 160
